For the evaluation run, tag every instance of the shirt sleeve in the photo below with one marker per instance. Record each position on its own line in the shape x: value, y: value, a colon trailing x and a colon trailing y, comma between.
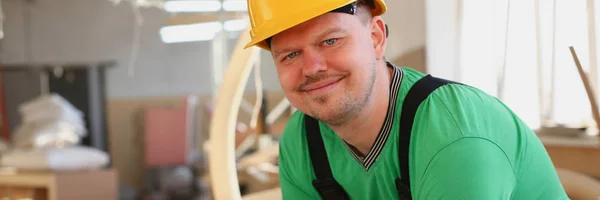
x: 469, y: 168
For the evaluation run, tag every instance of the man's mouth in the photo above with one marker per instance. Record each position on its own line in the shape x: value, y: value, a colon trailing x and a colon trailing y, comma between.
x: 313, y: 87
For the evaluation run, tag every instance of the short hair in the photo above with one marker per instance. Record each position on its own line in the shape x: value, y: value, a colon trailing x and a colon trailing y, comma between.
x: 364, y: 10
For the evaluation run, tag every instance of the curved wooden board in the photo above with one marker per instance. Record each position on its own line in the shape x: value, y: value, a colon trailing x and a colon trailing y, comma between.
x: 222, y: 165
x: 274, y: 193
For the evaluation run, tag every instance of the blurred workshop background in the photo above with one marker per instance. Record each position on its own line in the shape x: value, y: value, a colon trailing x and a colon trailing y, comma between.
x: 117, y: 99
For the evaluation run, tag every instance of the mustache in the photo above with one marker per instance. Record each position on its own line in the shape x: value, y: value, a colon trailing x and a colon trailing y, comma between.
x: 317, y: 78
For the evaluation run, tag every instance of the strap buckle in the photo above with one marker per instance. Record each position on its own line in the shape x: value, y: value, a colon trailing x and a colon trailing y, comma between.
x: 403, y: 190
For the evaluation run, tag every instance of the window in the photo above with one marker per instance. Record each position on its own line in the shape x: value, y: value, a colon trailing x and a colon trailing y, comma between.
x: 201, y: 20
x: 501, y: 37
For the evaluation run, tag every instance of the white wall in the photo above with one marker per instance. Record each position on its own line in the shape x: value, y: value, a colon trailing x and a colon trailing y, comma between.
x: 94, y: 30
x: 406, y: 23
x: 441, y: 36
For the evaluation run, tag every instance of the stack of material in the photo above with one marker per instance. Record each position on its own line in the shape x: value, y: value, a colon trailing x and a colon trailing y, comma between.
x: 45, y: 162
x: 49, y: 136
x: 49, y: 121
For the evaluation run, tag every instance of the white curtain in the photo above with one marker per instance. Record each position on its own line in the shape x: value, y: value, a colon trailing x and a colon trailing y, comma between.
x: 484, y: 45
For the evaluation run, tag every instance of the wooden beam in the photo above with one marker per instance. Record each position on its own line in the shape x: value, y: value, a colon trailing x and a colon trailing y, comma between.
x: 588, y: 88
x: 182, y: 19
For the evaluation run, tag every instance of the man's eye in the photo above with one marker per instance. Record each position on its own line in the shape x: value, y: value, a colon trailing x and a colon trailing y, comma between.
x: 291, y: 55
x: 330, y: 41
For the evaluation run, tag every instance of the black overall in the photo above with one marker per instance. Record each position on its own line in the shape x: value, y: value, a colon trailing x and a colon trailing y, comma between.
x: 326, y: 185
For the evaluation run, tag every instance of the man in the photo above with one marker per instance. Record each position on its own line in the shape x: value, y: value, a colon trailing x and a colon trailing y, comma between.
x: 464, y: 144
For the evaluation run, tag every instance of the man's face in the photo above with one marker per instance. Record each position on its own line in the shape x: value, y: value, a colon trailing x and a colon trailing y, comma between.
x: 326, y: 66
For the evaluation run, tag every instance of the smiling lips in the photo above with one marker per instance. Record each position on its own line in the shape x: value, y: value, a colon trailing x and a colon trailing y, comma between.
x: 314, y: 87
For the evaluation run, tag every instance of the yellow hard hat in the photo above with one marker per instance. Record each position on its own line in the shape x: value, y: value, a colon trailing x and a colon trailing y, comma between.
x: 270, y: 17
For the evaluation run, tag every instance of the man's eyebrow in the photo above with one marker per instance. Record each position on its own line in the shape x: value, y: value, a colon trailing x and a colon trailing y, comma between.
x: 328, y: 31
x: 285, y: 50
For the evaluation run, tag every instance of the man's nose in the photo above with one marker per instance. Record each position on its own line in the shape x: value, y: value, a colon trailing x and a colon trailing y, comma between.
x: 313, y: 63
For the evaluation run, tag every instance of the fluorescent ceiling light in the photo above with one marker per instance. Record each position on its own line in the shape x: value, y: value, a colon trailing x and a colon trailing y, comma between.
x: 190, y: 33
x: 235, y: 25
x: 235, y: 5
x: 193, y: 6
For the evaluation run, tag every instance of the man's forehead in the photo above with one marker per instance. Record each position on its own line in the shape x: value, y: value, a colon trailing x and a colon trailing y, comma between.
x: 315, y: 28
x: 291, y: 45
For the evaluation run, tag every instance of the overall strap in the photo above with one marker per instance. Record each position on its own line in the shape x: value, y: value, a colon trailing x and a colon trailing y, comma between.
x: 417, y: 94
x: 325, y: 184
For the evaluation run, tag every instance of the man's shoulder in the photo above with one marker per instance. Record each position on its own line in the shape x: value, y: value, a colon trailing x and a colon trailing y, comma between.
x: 451, y: 102
x: 459, y: 110
x: 294, y: 128
x: 457, y: 99
x: 295, y: 167
x: 293, y: 144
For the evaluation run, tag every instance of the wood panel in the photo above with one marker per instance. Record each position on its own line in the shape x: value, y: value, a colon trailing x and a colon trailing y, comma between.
x: 577, y: 158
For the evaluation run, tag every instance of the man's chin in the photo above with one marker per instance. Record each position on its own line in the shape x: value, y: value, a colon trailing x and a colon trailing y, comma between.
x: 325, y: 113
x: 328, y: 118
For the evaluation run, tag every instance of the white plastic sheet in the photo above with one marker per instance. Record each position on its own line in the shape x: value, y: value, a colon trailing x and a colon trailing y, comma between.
x: 49, y: 121
x: 56, y: 159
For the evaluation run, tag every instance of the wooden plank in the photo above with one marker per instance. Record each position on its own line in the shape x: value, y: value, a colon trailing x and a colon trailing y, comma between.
x: 588, y: 88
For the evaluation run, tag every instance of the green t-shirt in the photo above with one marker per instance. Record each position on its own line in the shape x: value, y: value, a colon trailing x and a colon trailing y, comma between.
x: 465, y: 144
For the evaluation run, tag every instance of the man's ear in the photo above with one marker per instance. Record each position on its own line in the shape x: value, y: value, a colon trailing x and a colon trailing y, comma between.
x: 379, y: 36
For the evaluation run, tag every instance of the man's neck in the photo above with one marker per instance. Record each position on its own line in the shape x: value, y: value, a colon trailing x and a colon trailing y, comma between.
x: 362, y: 131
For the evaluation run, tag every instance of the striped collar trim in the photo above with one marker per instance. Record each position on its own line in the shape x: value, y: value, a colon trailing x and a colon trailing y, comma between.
x: 384, y: 133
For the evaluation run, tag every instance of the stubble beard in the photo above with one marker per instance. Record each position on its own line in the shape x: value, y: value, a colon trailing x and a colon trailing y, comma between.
x: 346, y: 108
